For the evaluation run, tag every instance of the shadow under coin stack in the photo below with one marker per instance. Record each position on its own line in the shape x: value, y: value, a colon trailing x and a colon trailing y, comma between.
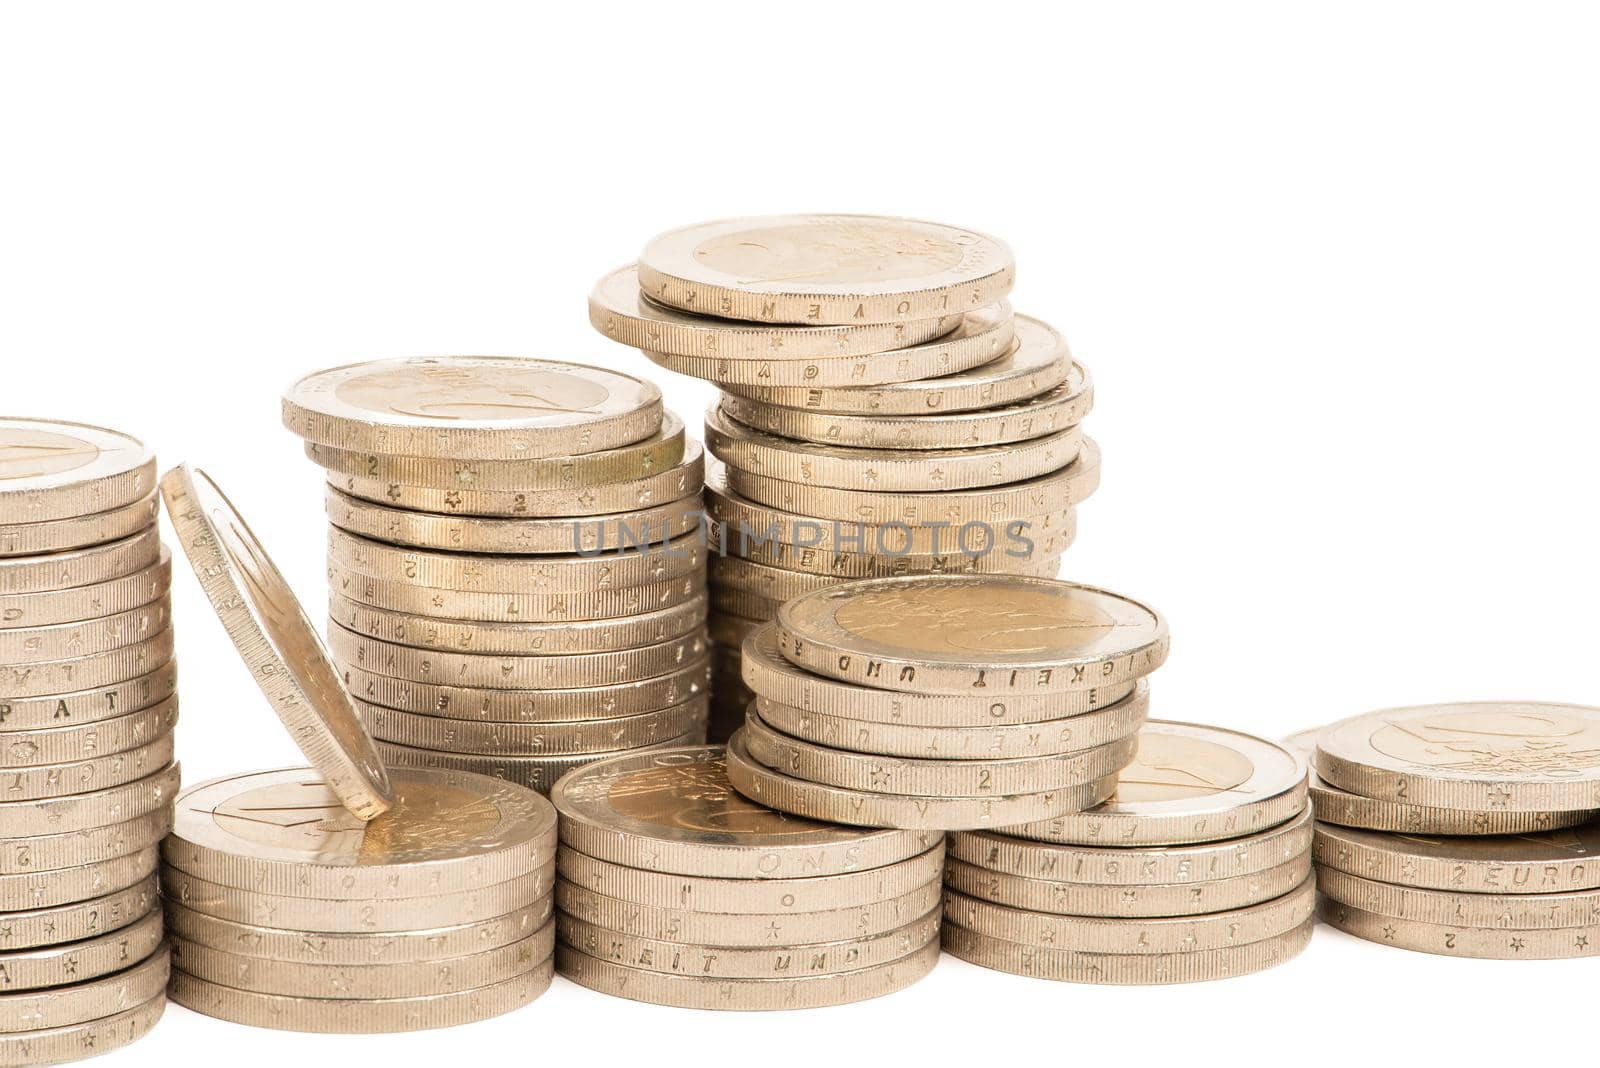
x: 87, y: 707
x: 945, y: 702
x: 1466, y: 830
x: 516, y: 565
x: 1198, y: 868
x: 883, y: 412
x: 675, y: 890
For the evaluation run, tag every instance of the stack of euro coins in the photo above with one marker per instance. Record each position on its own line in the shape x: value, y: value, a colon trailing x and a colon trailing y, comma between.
x: 945, y: 702
x: 1199, y: 867
x: 1466, y: 830
x: 882, y: 410
x: 516, y: 563
x: 675, y: 890
x: 287, y: 911
x: 87, y: 707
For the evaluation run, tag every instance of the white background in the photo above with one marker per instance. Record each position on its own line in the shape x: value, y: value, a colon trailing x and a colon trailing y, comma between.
x: 1333, y: 268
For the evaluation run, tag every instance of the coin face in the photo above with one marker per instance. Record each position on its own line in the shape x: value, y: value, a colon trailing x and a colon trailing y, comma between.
x: 53, y: 470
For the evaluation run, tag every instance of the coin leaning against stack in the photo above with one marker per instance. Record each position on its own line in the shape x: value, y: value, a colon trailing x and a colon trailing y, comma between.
x: 515, y: 560
x: 87, y: 708
x: 947, y: 702
x: 1198, y: 867
x: 1466, y: 830
x: 675, y: 890
x: 882, y: 411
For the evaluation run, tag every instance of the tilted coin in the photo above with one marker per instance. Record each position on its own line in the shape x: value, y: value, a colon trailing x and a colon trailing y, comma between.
x: 536, y: 739
x: 84, y: 706
x: 825, y: 269
x: 98, y: 671
x: 60, y: 535
x: 1077, y: 966
x: 1037, y: 362
x: 401, y: 595
x: 61, y: 781
x: 91, y: 958
x: 57, y: 1045
x: 55, y: 470
x: 958, y: 634
x: 534, y: 772
x: 73, y: 850
x: 1144, y: 935
x: 80, y: 567
x: 286, y: 833
x: 84, y: 811
x: 486, y: 407
x: 63, y: 641
x: 675, y: 811
x: 1510, y: 756
x: 1468, y: 909
x: 1544, y: 862
x: 622, y: 313
x: 76, y: 921
x: 26, y: 610
x: 47, y: 889
x: 84, y: 741
x: 375, y: 1016
x: 1189, y: 783
x: 1453, y: 941
x: 63, y: 1006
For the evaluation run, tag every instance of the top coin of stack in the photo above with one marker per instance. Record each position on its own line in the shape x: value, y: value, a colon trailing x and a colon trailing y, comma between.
x: 516, y: 566
x: 1462, y: 829
x: 945, y: 702
x: 87, y: 707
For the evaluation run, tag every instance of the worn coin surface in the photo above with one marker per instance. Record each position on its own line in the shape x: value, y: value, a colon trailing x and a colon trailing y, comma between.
x: 53, y: 470
x: 46, y: 889
x: 1461, y: 941
x: 59, y: 535
x: 646, y: 728
x: 57, y: 1045
x: 49, y: 607
x: 1123, y: 900
x: 1580, y: 908
x: 63, y: 1006
x: 78, y: 920
x: 1544, y: 862
x: 90, y: 809
x: 96, y: 955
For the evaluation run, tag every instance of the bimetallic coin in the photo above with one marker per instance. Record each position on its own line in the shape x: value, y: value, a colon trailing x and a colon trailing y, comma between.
x: 276, y: 640
x: 481, y: 407
x: 46, y: 889
x: 62, y: 641
x: 20, y: 857
x: 85, y: 811
x: 91, y: 958
x: 50, y: 607
x: 99, y: 671
x: 63, y: 1006
x: 81, y: 567
x: 77, y: 921
x: 66, y: 745
x: 53, y: 470
x: 825, y: 269
x: 1467, y: 909
x: 61, y: 781
x: 60, y: 535
x: 57, y: 1045
x: 456, y: 604
x: 1453, y: 941
x: 1546, y: 862
x: 535, y: 772
x: 536, y: 739
x: 85, y: 706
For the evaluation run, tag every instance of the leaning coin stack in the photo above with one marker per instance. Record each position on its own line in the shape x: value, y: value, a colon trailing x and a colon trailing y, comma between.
x: 1466, y: 829
x: 87, y: 707
x: 883, y: 412
x: 676, y: 890
x: 1198, y: 868
x: 516, y: 566
x: 945, y: 702
x: 287, y: 911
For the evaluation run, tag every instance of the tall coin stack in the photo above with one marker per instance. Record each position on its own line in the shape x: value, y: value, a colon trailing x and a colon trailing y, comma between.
x: 883, y: 412
x: 677, y: 891
x: 516, y: 562
x: 87, y: 707
x: 1198, y: 868
x: 946, y: 702
x: 1467, y: 830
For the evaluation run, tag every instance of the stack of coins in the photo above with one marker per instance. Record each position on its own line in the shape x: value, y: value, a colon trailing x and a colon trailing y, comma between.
x: 87, y: 707
x: 677, y: 891
x: 287, y: 911
x: 883, y: 412
x: 1199, y: 868
x: 516, y: 565
x: 1464, y: 829
x: 945, y: 702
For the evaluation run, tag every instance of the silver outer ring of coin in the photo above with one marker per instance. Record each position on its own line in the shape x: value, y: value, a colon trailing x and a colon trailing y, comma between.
x: 1334, y: 805
x: 27, y: 610
x: 121, y: 472
x: 69, y: 745
x: 1274, y: 794
x: 47, y: 853
x: 82, y: 567
x: 47, y: 889
x: 535, y: 773
x: 672, y: 271
x: 200, y: 846
x: 774, y: 583
x: 56, y: 781
x: 91, y: 705
x: 473, y: 605
x: 1469, y: 909
x: 592, y: 826
x: 622, y: 313
x: 98, y: 955
x: 1452, y: 941
x: 58, y: 1045
x: 1146, y: 935
x: 60, y: 641
x: 64, y: 1006
x: 93, y: 808
x: 314, y: 412
x: 647, y: 728
x: 99, y: 671
x: 78, y: 920
x: 64, y: 535
x: 1070, y: 965
x: 1554, y: 862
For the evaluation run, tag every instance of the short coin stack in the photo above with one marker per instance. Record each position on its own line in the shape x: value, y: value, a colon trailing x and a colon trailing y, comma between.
x: 287, y: 911
x: 883, y: 411
x: 945, y: 702
x: 1199, y: 868
x: 87, y: 707
x: 1464, y: 829
x: 516, y: 563
x: 675, y: 890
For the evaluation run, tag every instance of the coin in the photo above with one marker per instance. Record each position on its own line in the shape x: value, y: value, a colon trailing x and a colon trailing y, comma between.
x: 63, y: 641
x: 58, y: 535
x: 83, y: 811
x: 1468, y: 909
x: 674, y: 811
x: 339, y: 1016
x: 54, y: 781
x: 1487, y: 756
x: 84, y: 706
x: 50, y: 607
x: 1076, y: 966
x: 536, y: 739
x: 91, y: 958
x: 1453, y: 941
x: 279, y: 646
x: 472, y: 407
x: 535, y: 772
x: 53, y: 470
x: 824, y: 269
x: 286, y: 833
x: 20, y: 857
x: 57, y: 1045
x: 402, y: 595
x: 47, y: 889
x: 65, y: 745
x: 64, y: 1006
x: 98, y: 671
x: 743, y: 603
x: 622, y: 313
x: 773, y: 583
x: 1545, y: 862
x: 80, y: 567
x: 76, y: 921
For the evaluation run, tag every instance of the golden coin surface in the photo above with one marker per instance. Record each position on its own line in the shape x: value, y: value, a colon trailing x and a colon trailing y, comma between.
x: 47, y: 889
x: 51, y: 607
x: 90, y: 958
x: 94, y: 808
x: 67, y: 571
x: 1488, y: 756
x: 1545, y: 862
x: 957, y: 634
x: 825, y: 269
x: 63, y: 1006
x: 653, y: 727
x: 622, y: 313
x: 400, y: 595
x: 539, y: 773
x: 22, y: 684
x: 75, y: 850
x: 58, y: 1045
x: 108, y: 701
x: 53, y: 470
x: 61, y: 781
x: 1580, y: 908
x: 480, y: 407
x: 79, y: 920
x: 68, y: 745
x: 61, y: 535
x: 675, y: 811
x: 1459, y: 941
x: 286, y: 832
